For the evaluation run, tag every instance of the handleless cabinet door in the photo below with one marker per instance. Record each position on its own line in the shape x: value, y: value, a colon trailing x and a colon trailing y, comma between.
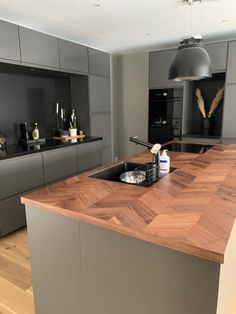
x: 99, y: 62
x: 12, y: 215
x: 107, y: 155
x: 20, y: 174
x: 73, y: 57
x: 101, y: 126
x: 228, y: 125
x: 9, y: 42
x: 89, y: 155
x: 231, y: 64
x: 99, y: 93
x: 59, y: 163
x: 39, y: 49
x: 218, y: 54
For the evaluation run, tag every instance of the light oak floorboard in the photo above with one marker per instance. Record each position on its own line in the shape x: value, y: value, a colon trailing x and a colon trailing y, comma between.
x: 16, y: 294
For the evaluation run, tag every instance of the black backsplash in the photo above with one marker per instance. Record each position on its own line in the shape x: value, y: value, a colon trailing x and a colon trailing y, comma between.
x: 209, y: 88
x: 27, y: 97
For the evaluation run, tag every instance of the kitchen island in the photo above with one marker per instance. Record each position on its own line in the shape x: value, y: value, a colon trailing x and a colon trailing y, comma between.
x: 105, y: 247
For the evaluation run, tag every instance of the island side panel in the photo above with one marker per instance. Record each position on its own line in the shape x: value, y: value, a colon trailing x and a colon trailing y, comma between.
x: 125, y: 275
x: 55, y: 261
x: 81, y: 268
x: 227, y: 283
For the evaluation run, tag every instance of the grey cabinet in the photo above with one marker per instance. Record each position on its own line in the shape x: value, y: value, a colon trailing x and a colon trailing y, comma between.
x: 159, y: 64
x: 89, y: 156
x: 99, y: 62
x: 73, y: 57
x: 12, y: 215
x: 59, y: 163
x: 218, y: 54
x: 39, y: 49
x: 9, y: 42
x: 101, y: 126
x: 99, y: 91
x: 231, y: 64
x: 107, y: 155
x: 20, y: 174
x: 229, y: 126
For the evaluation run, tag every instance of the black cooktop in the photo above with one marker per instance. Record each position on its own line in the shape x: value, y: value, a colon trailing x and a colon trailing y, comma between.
x: 188, y: 148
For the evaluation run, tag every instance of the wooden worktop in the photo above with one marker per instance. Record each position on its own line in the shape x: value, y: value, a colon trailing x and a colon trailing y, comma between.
x: 191, y: 210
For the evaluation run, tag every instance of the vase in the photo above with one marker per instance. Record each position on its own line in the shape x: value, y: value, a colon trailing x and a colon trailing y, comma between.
x: 205, y: 126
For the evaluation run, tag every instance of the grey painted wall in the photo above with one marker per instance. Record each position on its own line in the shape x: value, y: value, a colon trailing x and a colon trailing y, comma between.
x: 130, y: 101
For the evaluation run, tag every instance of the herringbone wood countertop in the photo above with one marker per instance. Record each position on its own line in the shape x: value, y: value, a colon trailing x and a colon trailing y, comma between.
x: 191, y: 210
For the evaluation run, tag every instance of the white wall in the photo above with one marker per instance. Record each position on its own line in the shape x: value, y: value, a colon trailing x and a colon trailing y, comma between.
x: 130, y: 101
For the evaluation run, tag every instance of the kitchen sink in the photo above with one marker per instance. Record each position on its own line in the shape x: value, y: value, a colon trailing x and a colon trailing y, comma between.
x: 113, y: 173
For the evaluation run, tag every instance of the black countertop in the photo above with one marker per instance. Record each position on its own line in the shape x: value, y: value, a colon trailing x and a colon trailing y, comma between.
x: 10, y: 151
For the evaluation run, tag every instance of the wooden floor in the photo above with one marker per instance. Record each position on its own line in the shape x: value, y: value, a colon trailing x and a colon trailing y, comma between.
x: 16, y: 296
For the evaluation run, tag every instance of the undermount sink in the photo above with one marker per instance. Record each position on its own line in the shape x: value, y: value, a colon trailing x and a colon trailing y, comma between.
x: 113, y: 173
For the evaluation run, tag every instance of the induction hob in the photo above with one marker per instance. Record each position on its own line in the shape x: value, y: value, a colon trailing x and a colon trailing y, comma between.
x: 187, y: 148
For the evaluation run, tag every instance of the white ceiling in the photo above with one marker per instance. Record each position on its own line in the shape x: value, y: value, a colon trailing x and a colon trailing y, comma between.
x: 121, y: 25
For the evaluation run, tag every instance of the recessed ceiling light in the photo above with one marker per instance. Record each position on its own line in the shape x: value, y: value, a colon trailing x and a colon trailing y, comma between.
x: 225, y: 21
x: 148, y: 34
x: 96, y: 5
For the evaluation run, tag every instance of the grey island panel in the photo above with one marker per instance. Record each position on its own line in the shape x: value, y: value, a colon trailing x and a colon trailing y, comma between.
x: 95, y: 270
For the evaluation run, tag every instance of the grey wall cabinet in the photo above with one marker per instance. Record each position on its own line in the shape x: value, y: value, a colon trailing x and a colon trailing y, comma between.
x: 12, y: 215
x: 99, y: 62
x: 39, y: 49
x: 89, y: 156
x: 229, y: 126
x: 231, y: 64
x: 73, y: 57
x: 9, y: 42
x: 99, y: 91
x: 59, y: 163
x: 20, y: 174
x: 159, y: 64
x: 218, y: 54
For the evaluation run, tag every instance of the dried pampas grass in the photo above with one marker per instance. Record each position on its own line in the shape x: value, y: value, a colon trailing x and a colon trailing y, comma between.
x: 216, y: 101
x: 200, y: 102
x: 214, y: 105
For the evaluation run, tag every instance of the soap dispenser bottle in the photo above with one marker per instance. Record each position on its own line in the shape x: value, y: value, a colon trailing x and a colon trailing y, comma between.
x: 164, y: 162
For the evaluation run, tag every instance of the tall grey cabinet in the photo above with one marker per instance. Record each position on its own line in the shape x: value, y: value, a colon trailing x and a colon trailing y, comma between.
x: 229, y: 128
x: 100, y: 100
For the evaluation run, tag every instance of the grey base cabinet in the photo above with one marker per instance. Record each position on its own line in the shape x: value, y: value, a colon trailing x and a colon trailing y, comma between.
x: 12, y: 215
x: 59, y: 163
x: 20, y: 175
x: 89, y: 156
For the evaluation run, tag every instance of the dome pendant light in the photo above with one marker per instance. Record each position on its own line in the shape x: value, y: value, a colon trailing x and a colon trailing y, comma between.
x: 191, y: 61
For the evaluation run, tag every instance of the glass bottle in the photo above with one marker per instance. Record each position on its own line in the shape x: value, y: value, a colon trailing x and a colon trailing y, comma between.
x: 35, y: 133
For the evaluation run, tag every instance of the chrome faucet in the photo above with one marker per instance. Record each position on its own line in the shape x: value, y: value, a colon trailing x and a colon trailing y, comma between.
x: 155, y: 149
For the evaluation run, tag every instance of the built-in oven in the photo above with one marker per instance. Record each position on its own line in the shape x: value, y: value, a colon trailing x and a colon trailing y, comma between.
x: 165, y: 114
